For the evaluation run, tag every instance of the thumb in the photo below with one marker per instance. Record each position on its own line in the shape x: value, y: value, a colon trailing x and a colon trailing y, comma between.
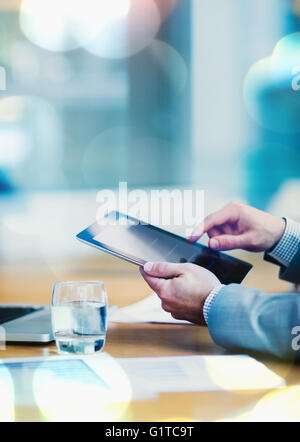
x: 228, y: 242
x: 162, y: 269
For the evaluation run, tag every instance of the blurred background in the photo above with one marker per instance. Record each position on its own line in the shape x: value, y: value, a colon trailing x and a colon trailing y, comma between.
x: 157, y: 93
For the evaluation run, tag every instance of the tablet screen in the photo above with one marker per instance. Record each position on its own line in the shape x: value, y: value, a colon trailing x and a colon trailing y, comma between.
x: 143, y: 242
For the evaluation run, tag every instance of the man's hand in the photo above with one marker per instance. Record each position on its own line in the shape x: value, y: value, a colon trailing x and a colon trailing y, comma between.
x: 238, y: 226
x: 182, y: 288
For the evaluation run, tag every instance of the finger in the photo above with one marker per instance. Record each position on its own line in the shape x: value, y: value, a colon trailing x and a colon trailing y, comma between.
x: 214, y: 232
x: 227, y: 214
x: 155, y: 283
x: 196, y: 233
x: 228, y: 242
x: 163, y: 269
x: 227, y: 229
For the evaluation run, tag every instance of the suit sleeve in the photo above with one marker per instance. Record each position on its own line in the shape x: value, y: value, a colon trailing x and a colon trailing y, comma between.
x: 240, y: 317
x: 287, y: 253
x: 244, y: 318
x: 290, y: 273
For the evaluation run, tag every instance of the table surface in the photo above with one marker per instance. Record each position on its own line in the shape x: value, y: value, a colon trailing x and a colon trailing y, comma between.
x: 32, y: 283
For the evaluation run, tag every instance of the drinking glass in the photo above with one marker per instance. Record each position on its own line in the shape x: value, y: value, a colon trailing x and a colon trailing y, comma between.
x: 79, y: 311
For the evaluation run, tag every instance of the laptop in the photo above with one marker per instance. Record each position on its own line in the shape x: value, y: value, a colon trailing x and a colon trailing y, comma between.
x: 26, y: 323
x: 29, y: 323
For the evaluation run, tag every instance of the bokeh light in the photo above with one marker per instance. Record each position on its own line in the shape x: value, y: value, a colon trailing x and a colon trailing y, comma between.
x: 25, y: 64
x: 11, y: 109
x: 65, y: 25
x: 240, y: 372
x: 63, y: 397
x: 97, y: 159
x: 30, y: 131
x: 124, y: 36
x: 286, y: 56
x: 166, y: 56
x: 278, y: 406
x: 7, y: 395
x: 166, y: 7
x: 130, y: 151
x: 50, y: 24
x: 109, y: 29
x: 269, y: 92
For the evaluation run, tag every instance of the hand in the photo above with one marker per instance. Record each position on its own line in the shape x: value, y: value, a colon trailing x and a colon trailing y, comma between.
x: 182, y: 288
x: 238, y: 226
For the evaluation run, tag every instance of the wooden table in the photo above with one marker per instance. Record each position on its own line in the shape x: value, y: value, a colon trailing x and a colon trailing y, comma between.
x: 32, y: 283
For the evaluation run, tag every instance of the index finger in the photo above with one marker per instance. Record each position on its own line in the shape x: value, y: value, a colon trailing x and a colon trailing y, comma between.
x: 227, y: 214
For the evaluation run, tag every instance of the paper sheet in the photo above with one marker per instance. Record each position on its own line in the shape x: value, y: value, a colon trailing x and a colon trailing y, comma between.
x: 59, y: 384
x: 200, y: 373
x: 147, y: 310
x: 28, y: 381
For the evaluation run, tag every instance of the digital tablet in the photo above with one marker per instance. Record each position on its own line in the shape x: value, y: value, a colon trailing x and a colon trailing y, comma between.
x: 134, y: 241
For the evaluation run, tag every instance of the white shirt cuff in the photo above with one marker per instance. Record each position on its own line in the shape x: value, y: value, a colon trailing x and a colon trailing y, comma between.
x: 209, y: 300
x: 289, y: 244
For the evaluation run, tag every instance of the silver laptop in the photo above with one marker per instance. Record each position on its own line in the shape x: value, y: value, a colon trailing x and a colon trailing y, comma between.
x: 26, y: 323
x: 29, y: 323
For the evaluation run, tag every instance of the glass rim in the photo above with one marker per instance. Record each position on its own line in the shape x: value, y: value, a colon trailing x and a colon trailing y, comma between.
x: 78, y: 283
